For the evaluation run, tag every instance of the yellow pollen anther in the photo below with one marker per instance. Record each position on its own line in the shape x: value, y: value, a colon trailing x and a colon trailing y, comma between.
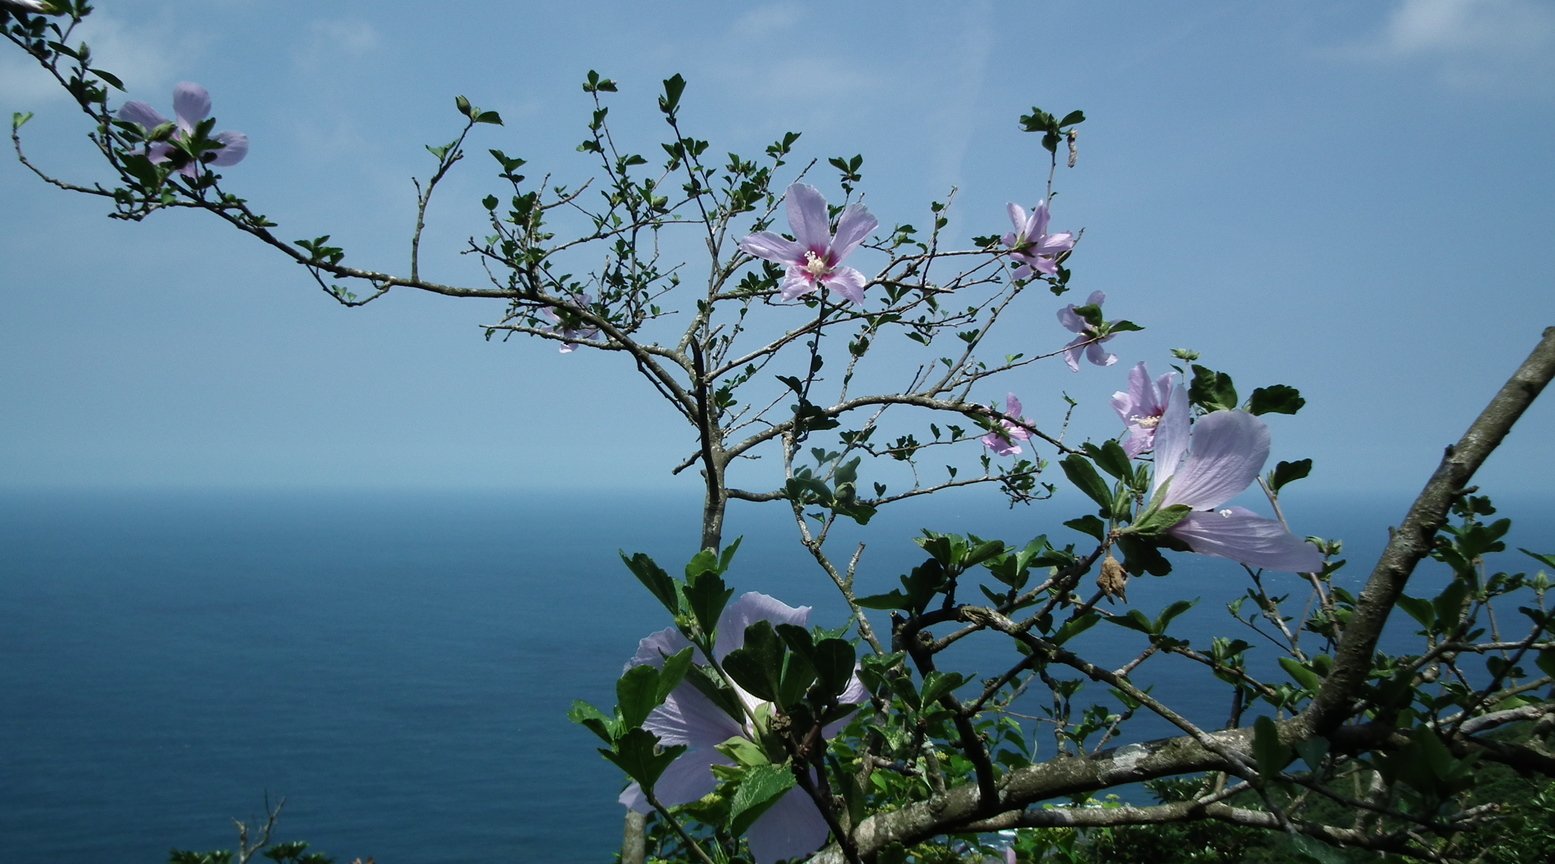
x: 815, y: 265
x: 1146, y: 422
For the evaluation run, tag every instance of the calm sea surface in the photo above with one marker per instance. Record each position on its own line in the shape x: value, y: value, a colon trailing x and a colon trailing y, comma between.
x: 399, y: 666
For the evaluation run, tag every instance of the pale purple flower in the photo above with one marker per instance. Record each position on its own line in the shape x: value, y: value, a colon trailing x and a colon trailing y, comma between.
x: 791, y: 827
x: 1141, y: 408
x: 1225, y: 451
x: 569, y: 346
x: 815, y: 259
x: 191, y: 104
x: 1002, y: 441
x: 1035, y: 250
x: 1075, y: 324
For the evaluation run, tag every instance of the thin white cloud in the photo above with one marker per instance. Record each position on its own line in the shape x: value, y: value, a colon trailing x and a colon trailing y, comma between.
x: 331, y: 41
x: 1502, y: 45
x: 809, y: 86
x: 139, y: 54
x: 765, y: 21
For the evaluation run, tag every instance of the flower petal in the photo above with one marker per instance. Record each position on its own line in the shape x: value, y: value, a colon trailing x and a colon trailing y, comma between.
x: 1228, y: 450
x: 1134, y: 402
x: 1242, y: 535
x: 1012, y: 405
x: 652, y: 650
x: 1098, y: 355
x: 1072, y: 322
x: 1096, y: 299
x: 849, y: 283
x: 807, y: 217
x: 853, y: 228
x: 774, y: 247
x: 235, y: 147
x: 797, y: 284
x: 192, y: 103
x: 139, y: 112
x: 1138, y: 441
x: 687, y: 717
x: 1018, y: 219
x: 1163, y: 392
x: 1072, y: 352
x: 1171, y: 438
x: 1039, y: 220
x: 789, y: 829
x: 749, y: 609
x: 1054, y: 244
x: 999, y: 445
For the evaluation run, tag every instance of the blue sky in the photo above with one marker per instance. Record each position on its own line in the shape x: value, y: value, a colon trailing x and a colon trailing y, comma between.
x: 1354, y: 199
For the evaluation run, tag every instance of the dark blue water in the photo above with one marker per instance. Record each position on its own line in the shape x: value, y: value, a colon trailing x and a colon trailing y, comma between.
x: 399, y: 666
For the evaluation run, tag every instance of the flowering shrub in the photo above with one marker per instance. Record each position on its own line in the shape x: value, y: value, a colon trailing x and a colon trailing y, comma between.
x: 744, y: 731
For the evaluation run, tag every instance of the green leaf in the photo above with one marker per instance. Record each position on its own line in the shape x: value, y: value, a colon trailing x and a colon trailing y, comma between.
x: 1134, y: 620
x: 893, y: 600
x: 834, y: 660
x: 491, y: 117
x: 939, y: 684
x: 1449, y: 603
x: 1212, y: 390
x: 1312, y: 751
x: 1080, y: 472
x: 1141, y: 556
x: 1289, y: 472
x: 594, y: 720
x: 1075, y: 627
x: 757, y: 666
x: 637, y: 694
x: 1089, y: 525
x: 707, y: 595
x: 1111, y: 458
x: 675, y: 668
x: 1546, y: 662
x: 1278, y: 399
x: 1177, y: 608
x: 1305, y: 677
x: 759, y: 789
x: 1546, y: 560
x: 19, y: 119
x: 1271, y: 755
x: 1418, y: 609
x: 1072, y: 118
x: 653, y: 577
x: 1158, y: 521
x: 673, y: 87
x: 639, y: 755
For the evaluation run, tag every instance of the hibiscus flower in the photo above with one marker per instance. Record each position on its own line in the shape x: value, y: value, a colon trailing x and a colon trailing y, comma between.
x: 1031, y: 247
x: 814, y: 257
x: 791, y: 827
x: 1002, y: 440
x: 191, y: 104
x: 569, y: 346
x: 1225, y: 450
x: 1088, y: 332
x: 1141, y: 408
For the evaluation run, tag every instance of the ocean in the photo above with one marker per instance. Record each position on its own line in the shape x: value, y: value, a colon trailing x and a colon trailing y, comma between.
x: 398, y: 666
